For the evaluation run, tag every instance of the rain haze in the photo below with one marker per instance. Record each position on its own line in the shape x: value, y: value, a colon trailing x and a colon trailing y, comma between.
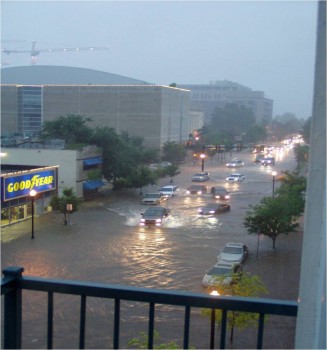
x: 265, y: 45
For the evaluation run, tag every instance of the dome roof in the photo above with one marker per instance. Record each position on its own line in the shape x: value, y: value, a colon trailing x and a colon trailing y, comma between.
x: 61, y: 75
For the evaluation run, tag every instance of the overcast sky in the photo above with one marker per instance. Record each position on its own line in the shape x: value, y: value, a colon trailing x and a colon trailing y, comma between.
x: 264, y: 45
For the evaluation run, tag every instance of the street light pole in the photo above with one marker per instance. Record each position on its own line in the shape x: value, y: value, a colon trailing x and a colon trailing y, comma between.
x: 32, y: 194
x: 202, y: 156
x: 273, y: 173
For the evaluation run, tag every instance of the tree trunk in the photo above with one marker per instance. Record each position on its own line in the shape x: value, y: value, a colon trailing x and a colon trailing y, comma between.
x: 231, y: 334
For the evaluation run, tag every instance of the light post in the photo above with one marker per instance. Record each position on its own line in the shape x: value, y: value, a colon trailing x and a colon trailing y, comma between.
x: 202, y: 156
x: 69, y: 209
x: 273, y: 173
x: 32, y: 194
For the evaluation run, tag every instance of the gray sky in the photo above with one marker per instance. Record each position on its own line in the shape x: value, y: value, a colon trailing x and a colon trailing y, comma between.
x: 265, y: 45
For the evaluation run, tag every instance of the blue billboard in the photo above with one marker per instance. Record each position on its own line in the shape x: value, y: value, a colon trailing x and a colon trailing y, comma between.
x: 16, y: 186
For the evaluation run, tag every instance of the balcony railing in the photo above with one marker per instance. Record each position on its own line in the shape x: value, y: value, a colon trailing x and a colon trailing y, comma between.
x: 13, y: 283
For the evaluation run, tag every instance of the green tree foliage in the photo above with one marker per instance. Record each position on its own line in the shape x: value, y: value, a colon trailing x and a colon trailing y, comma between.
x: 256, y: 133
x: 72, y: 128
x: 60, y: 202
x: 142, y: 342
x: 174, y: 152
x: 271, y: 218
x: 139, y: 177
x: 306, y: 130
x: 227, y: 123
x: 172, y: 171
x: 244, y: 285
x: 301, y: 154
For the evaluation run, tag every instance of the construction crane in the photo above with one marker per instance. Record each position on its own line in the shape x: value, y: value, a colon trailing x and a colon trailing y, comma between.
x: 34, y: 52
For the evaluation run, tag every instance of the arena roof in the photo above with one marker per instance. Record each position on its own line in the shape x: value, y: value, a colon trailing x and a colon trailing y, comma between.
x: 62, y: 75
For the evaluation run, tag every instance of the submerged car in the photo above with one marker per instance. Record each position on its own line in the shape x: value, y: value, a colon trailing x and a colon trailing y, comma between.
x: 235, y: 177
x: 168, y: 191
x: 233, y: 253
x: 219, y: 193
x: 154, y: 216
x: 201, y: 176
x: 214, y: 209
x: 153, y: 198
x: 196, y: 189
x: 221, y: 273
x: 235, y: 163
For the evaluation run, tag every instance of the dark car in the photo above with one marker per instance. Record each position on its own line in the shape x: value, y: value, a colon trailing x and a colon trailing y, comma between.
x: 154, y: 216
x: 268, y: 161
x: 220, y: 193
x: 214, y: 209
x: 196, y: 189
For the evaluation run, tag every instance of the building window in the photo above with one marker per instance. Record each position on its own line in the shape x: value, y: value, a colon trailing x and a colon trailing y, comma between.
x: 29, y: 110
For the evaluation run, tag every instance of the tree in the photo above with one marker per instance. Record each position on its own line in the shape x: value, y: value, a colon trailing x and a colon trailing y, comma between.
x: 140, y: 177
x: 142, y: 342
x: 173, y: 151
x: 301, y: 154
x: 244, y: 285
x: 306, y: 130
x: 72, y: 128
x: 271, y: 217
x: 60, y: 203
x: 171, y: 170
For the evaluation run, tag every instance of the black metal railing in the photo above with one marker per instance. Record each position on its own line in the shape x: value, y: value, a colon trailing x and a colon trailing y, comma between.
x: 13, y: 283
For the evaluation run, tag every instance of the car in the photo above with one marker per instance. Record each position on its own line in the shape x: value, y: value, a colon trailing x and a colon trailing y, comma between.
x: 196, y: 189
x: 233, y: 253
x: 214, y: 276
x: 153, y: 198
x: 235, y: 163
x: 219, y: 193
x: 258, y: 158
x: 268, y: 161
x: 235, y: 177
x: 168, y: 191
x: 154, y: 216
x: 214, y: 209
x: 201, y: 176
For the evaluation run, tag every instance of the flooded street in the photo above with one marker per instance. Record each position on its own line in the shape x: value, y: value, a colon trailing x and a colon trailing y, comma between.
x: 105, y: 243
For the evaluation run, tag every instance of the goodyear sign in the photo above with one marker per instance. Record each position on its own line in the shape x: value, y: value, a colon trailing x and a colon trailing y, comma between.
x: 16, y: 186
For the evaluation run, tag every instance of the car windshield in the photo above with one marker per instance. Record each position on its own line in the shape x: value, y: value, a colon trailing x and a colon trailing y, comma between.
x: 152, y: 195
x: 166, y: 189
x: 153, y: 212
x: 216, y: 270
x: 199, y: 174
x: 232, y: 250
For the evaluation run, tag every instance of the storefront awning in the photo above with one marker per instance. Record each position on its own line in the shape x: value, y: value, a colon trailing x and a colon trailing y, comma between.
x: 92, y: 184
x: 92, y: 161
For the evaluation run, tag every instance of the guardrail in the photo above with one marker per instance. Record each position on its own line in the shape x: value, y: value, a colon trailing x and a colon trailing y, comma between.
x: 13, y: 283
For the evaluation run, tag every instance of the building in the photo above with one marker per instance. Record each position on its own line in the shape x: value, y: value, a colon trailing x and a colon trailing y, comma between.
x: 17, y: 203
x: 35, y: 94
x: 74, y: 166
x: 207, y: 97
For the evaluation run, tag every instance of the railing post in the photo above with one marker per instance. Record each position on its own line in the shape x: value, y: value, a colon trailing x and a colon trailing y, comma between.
x: 13, y: 311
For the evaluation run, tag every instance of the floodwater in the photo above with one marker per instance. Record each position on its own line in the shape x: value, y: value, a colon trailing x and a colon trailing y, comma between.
x: 104, y: 243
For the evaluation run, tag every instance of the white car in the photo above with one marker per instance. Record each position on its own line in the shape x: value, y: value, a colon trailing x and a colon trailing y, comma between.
x: 233, y: 253
x: 235, y: 163
x: 201, y: 176
x: 168, y: 191
x: 235, y: 177
x: 153, y: 198
x: 213, y: 276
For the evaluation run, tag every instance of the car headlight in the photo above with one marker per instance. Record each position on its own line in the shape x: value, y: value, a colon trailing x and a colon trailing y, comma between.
x: 217, y: 196
x: 211, y: 211
x: 188, y: 192
x: 227, y: 197
x: 142, y: 220
x: 199, y: 192
x: 158, y: 220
